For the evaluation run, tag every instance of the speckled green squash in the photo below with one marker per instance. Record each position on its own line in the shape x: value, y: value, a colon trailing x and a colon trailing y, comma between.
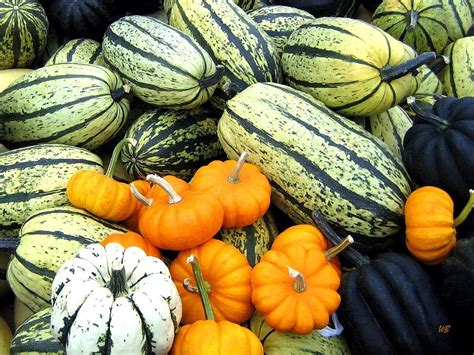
x: 427, y: 82
x: 254, y: 240
x: 457, y: 17
x: 458, y: 75
x: 276, y: 343
x: 34, y: 337
x: 316, y: 159
x: 81, y: 50
x: 47, y: 239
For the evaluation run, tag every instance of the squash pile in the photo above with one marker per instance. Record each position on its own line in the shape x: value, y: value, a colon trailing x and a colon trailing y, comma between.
x: 236, y: 177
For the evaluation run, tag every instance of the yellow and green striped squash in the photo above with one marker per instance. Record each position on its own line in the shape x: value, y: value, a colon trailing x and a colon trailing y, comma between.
x: 81, y: 50
x: 458, y: 75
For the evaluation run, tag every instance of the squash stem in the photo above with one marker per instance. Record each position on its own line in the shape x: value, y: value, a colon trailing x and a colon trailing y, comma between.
x: 332, y: 252
x: 437, y: 65
x: 390, y: 72
x: 466, y: 210
x: 234, y: 176
x: 120, y: 93
x: 212, y: 79
x: 116, y: 153
x: 188, y: 286
x: 9, y: 245
x: 353, y: 256
x: 118, y: 281
x: 173, y: 196
x: 426, y: 113
x: 412, y: 20
x: 299, y: 284
x: 138, y: 195
x: 206, y: 303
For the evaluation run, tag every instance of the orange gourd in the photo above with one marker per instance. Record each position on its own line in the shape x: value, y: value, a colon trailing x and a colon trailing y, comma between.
x: 212, y: 337
x: 101, y: 194
x: 295, y: 289
x: 241, y: 188
x: 181, y: 221
x: 430, y: 224
x: 226, y: 274
x: 132, y: 239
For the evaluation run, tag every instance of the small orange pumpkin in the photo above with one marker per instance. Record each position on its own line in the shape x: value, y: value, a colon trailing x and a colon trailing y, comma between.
x: 101, y: 194
x: 212, y: 337
x: 430, y: 225
x: 226, y: 274
x: 132, y: 239
x: 296, y: 289
x: 307, y: 236
x: 182, y: 221
x: 131, y: 222
x: 241, y: 188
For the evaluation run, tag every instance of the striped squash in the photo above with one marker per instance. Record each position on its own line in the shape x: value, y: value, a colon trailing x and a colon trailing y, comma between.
x: 246, y: 5
x: 47, y: 239
x: 419, y: 23
x: 390, y: 126
x: 427, y: 82
x: 232, y: 39
x: 254, y: 240
x: 164, y: 67
x: 352, y: 67
x: 172, y: 143
x: 316, y: 159
x: 81, y: 50
x: 279, y: 22
x: 23, y: 29
x: 458, y: 75
x: 34, y: 336
x: 76, y: 104
x: 35, y: 178
x: 457, y: 17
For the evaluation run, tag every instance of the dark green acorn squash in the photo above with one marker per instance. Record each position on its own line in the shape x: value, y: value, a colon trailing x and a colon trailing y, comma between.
x: 323, y: 8
x: 390, y: 305
x: 438, y: 148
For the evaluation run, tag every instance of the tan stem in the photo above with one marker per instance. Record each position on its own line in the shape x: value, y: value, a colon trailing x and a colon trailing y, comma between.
x: 173, y: 196
x: 138, y: 195
x: 189, y: 287
x: 466, y: 210
x: 299, y: 285
x: 234, y: 176
x: 332, y: 252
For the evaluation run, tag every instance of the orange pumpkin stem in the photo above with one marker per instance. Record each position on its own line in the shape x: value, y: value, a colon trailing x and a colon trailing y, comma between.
x: 299, y: 285
x: 138, y: 195
x: 116, y: 153
x: 234, y: 176
x: 466, y: 210
x: 118, y: 281
x: 206, y: 303
x: 332, y: 252
x: 173, y: 196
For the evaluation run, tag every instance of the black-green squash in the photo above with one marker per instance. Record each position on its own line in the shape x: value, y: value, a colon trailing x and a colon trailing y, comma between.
x: 458, y: 75
x: 81, y: 50
x: 23, y: 28
x: 172, y: 142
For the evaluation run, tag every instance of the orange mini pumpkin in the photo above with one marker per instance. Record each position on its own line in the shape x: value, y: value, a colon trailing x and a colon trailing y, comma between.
x: 296, y: 289
x: 182, y: 221
x: 101, y: 194
x: 430, y: 224
x: 241, y: 188
x: 132, y: 222
x: 226, y: 273
x: 132, y: 239
x: 212, y: 337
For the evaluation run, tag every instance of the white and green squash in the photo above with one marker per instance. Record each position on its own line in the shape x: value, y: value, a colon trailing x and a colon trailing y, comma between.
x: 458, y: 75
x: 80, y: 50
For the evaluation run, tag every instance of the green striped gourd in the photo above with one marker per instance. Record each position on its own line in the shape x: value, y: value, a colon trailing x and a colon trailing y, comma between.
x: 276, y: 343
x: 232, y: 39
x: 172, y: 143
x: 246, y: 5
x: 163, y: 66
x: 351, y: 66
x: 316, y: 159
x: 427, y: 82
x: 47, y: 239
x: 34, y: 336
x: 457, y: 17
x: 76, y: 104
x: 23, y: 28
x: 418, y: 23
x: 458, y: 75
x: 35, y: 178
x: 279, y: 22
x: 390, y: 126
x: 254, y: 240
x: 80, y: 50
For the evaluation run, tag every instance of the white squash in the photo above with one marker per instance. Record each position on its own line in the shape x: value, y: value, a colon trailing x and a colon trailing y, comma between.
x: 116, y: 301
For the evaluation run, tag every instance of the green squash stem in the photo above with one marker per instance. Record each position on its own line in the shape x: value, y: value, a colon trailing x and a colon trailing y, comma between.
x: 299, y: 284
x: 234, y: 176
x: 9, y: 245
x: 118, y: 281
x: 466, y: 210
x: 389, y: 72
x: 213, y: 79
x: 206, y: 303
x: 437, y: 65
x: 120, y: 93
x: 413, y: 16
x: 352, y: 255
x: 116, y: 153
x: 332, y: 252
x: 173, y: 196
x: 426, y: 115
